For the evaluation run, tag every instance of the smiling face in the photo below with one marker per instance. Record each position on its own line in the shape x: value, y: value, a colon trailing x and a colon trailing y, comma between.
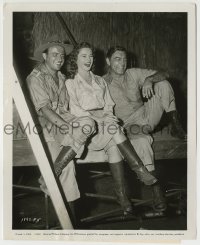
x: 54, y: 58
x: 85, y: 60
x: 117, y: 62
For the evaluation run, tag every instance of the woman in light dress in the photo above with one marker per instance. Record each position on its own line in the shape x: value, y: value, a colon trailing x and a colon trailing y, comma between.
x: 90, y: 97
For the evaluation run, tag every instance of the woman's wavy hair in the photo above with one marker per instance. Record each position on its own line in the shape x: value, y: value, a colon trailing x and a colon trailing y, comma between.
x: 72, y: 67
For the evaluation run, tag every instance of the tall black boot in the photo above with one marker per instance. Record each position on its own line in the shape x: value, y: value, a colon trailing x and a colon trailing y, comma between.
x: 159, y: 202
x: 65, y: 156
x: 117, y: 171
x: 176, y: 128
x: 135, y: 163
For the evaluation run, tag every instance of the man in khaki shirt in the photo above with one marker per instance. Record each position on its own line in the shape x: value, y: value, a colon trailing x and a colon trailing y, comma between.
x: 63, y: 133
x: 128, y: 89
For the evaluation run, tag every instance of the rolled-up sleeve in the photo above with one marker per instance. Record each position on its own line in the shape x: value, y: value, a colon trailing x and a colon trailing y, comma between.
x: 38, y: 93
x: 141, y: 74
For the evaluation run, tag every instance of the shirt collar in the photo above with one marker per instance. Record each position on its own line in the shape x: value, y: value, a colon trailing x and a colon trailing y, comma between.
x: 80, y: 78
x: 109, y: 79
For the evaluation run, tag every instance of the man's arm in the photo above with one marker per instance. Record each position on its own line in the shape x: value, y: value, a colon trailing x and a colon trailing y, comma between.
x: 54, y: 118
x: 147, y: 88
x: 158, y: 77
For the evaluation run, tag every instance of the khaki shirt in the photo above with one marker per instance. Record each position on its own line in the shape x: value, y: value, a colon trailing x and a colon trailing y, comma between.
x: 88, y: 99
x: 126, y: 92
x: 45, y: 92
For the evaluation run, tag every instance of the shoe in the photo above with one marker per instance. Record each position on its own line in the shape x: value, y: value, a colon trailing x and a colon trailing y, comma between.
x: 154, y: 192
x: 159, y: 202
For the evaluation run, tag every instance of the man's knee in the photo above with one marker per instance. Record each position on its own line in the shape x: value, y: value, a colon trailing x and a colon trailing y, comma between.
x: 113, y: 154
x: 165, y: 85
x: 144, y: 141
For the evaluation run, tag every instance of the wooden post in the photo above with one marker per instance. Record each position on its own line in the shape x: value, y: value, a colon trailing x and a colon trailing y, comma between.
x: 40, y: 155
x: 65, y: 27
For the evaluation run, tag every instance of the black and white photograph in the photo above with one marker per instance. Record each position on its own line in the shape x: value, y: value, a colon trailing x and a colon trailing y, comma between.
x: 101, y: 120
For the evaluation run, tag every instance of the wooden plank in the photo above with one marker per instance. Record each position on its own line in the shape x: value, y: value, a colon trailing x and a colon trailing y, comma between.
x: 172, y: 149
x: 164, y: 149
x: 41, y: 157
x: 23, y: 153
x: 167, y: 147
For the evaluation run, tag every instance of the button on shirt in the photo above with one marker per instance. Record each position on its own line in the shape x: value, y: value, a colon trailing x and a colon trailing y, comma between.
x: 45, y: 92
x: 85, y: 98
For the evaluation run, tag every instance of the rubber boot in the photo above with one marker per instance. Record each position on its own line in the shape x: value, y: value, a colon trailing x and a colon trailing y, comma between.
x: 135, y: 163
x: 117, y: 171
x: 65, y: 156
x: 176, y: 128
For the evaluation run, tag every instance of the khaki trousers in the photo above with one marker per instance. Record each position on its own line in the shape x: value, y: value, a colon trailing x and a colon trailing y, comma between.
x: 146, y: 118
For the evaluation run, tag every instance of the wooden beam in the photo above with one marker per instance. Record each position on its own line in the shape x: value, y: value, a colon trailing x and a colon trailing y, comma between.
x: 40, y: 155
x: 65, y: 27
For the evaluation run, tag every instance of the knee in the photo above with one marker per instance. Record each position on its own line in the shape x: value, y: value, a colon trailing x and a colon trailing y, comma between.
x: 162, y: 85
x: 142, y: 142
x: 113, y: 154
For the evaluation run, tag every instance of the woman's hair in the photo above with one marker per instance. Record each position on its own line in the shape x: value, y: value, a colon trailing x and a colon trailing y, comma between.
x: 112, y: 50
x: 72, y: 67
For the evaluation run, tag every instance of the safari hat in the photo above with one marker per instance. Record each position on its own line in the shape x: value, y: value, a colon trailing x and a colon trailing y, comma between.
x: 50, y: 42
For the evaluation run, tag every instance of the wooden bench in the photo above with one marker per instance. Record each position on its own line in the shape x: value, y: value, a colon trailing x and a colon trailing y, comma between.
x: 164, y: 146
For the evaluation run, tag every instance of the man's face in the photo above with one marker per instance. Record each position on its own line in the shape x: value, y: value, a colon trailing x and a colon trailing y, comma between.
x: 118, y: 62
x: 54, y: 58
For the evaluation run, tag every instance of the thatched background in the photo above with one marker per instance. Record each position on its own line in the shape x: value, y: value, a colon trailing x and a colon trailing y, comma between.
x: 154, y: 40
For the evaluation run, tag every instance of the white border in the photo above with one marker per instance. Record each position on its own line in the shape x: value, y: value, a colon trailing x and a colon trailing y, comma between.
x: 191, y: 92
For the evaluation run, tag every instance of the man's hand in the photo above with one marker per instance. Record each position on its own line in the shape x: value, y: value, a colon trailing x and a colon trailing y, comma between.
x: 147, y: 89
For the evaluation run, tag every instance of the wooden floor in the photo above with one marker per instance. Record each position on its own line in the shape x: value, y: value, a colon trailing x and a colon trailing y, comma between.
x: 167, y: 147
x: 172, y: 175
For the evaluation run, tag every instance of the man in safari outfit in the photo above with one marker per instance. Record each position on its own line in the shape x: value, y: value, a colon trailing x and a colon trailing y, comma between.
x: 61, y: 130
